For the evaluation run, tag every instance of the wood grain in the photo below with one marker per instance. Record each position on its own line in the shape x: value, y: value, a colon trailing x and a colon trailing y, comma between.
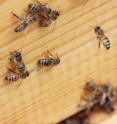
x: 49, y: 96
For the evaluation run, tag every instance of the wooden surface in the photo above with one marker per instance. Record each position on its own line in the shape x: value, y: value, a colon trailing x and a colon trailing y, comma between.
x: 49, y: 96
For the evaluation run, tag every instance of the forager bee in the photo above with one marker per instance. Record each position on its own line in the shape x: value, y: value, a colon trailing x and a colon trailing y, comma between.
x: 49, y: 60
x: 13, y: 76
x: 101, y: 37
x: 46, y: 15
x: 28, y: 19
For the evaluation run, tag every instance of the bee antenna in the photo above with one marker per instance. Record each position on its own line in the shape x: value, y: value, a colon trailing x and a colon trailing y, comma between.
x: 91, y: 26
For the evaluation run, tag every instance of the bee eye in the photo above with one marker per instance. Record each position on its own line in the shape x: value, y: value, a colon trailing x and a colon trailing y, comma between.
x: 30, y: 6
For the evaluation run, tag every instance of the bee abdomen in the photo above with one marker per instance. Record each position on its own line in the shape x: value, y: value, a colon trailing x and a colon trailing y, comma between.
x: 106, y: 43
x: 20, y: 27
x: 44, y: 62
x: 35, y: 8
x: 11, y: 78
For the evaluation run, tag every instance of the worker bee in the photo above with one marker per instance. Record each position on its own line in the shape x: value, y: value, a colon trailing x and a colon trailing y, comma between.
x: 106, y: 99
x: 28, y: 19
x: 13, y: 76
x: 49, y: 60
x: 102, y: 38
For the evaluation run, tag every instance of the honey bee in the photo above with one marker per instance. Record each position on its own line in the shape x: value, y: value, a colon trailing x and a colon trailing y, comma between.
x: 106, y: 99
x: 49, y: 60
x: 28, y: 19
x: 102, y: 38
x: 46, y: 15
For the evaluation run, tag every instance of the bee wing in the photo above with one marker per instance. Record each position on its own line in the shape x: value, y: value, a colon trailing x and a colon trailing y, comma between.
x: 44, y: 22
x: 103, y: 98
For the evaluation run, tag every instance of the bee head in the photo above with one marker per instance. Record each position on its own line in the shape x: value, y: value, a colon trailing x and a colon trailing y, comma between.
x: 97, y: 28
x: 18, y: 56
x: 55, y: 14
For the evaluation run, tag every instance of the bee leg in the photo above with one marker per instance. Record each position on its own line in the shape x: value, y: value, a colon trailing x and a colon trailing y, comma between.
x: 19, y: 83
x: 17, y: 16
x: 99, y: 41
x: 10, y: 70
x: 99, y: 44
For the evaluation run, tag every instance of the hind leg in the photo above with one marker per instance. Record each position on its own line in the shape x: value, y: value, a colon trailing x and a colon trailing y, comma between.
x: 17, y: 16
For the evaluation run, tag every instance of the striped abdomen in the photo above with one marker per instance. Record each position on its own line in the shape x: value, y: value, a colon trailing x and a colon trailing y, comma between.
x: 44, y: 62
x: 11, y: 77
x: 35, y: 8
x: 21, y: 27
x: 106, y: 43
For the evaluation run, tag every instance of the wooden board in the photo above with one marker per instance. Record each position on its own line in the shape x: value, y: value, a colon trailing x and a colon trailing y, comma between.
x: 49, y: 96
